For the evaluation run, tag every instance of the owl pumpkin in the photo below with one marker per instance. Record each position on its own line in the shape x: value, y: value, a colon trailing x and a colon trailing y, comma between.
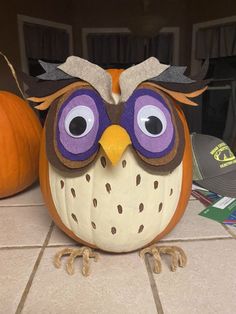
x: 115, y: 163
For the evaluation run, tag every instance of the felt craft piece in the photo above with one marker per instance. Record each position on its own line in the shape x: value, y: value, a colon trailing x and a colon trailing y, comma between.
x: 48, y: 66
x: 94, y: 117
x: 54, y: 74
x: 132, y: 77
x: 69, y: 158
x: 174, y: 79
x: 181, y: 97
x: 115, y: 148
x: 174, y: 74
x: 91, y: 73
x: 183, y: 88
x: 40, y: 88
x: 174, y: 158
x: 47, y: 100
x: 158, y: 143
x: 127, y: 187
x: 56, y: 159
x: 165, y: 160
x: 114, y: 112
x: 202, y: 73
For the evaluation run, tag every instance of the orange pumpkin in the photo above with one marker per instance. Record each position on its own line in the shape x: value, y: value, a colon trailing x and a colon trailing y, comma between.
x: 19, y: 142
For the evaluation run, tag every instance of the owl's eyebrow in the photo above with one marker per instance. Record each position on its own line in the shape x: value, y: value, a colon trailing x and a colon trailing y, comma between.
x: 133, y: 76
x: 76, y: 67
x: 91, y: 73
x: 171, y: 79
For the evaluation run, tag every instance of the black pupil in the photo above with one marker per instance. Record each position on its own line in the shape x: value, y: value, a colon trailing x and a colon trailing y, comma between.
x: 77, y: 126
x: 153, y: 125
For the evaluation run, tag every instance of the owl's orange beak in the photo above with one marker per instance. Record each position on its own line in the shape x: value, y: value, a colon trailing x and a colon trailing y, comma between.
x: 114, y: 141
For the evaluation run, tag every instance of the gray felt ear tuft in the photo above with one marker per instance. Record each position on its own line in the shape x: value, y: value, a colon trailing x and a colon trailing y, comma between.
x: 174, y: 74
x: 52, y: 72
x: 202, y: 73
x: 174, y: 79
x: 47, y: 66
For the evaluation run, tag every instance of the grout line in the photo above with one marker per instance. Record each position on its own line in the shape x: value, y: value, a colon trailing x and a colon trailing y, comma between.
x: 63, y: 245
x: 76, y: 244
x: 35, y: 246
x: 153, y: 286
x: 229, y: 231
x: 21, y: 205
x: 6, y: 248
x: 195, y: 240
x: 35, y: 268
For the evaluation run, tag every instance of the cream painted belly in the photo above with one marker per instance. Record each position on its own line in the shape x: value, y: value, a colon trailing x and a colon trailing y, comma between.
x: 118, y: 209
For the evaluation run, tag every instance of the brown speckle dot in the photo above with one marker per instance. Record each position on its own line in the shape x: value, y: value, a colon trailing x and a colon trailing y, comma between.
x: 103, y: 161
x: 140, y: 228
x: 87, y: 177
x: 108, y: 187
x: 171, y: 192
x: 73, y: 192
x: 120, y: 209
x: 93, y: 225
x: 74, y: 217
x: 124, y: 163
x: 160, y: 207
x: 62, y: 184
x: 95, y: 202
x: 155, y: 184
x: 141, y: 207
x: 113, y: 230
x: 138, y: 179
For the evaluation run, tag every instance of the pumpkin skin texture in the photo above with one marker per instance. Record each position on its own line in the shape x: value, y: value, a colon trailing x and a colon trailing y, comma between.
x: 20, y: 142
x: 150, y: 217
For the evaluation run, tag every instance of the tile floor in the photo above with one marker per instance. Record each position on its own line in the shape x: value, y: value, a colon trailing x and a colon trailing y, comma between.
x: 122, y: 284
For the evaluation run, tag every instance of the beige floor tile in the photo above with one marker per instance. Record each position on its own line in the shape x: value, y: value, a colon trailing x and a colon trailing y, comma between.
x: 192, y: 198
x: 31, y: 196
x: 231, y: 229
x: 117, y: 284
x: 15, y: 269
x: 60, y: 238
x: 207, y: 285
x: 193, y: 226
x: 20, y: 226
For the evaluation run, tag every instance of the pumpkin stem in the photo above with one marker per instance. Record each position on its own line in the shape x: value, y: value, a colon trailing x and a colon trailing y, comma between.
x: 13, y: 73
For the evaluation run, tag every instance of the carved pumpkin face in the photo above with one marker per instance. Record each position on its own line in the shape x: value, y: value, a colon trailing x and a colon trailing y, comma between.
x: 115, y: 175
x: 20, y: 142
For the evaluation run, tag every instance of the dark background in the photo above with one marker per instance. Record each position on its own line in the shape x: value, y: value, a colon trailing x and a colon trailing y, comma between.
x: 110, y: 13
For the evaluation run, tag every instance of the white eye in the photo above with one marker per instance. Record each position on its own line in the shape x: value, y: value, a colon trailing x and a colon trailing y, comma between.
x: 79, y: 121
x: 151, y: 121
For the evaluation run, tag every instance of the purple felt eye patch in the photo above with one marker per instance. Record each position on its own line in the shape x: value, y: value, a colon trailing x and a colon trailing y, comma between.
x: 81, y: 121
x: 149, y: 123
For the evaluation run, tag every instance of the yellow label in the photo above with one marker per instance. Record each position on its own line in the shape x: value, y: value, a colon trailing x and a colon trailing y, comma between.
x: 223, y: 154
